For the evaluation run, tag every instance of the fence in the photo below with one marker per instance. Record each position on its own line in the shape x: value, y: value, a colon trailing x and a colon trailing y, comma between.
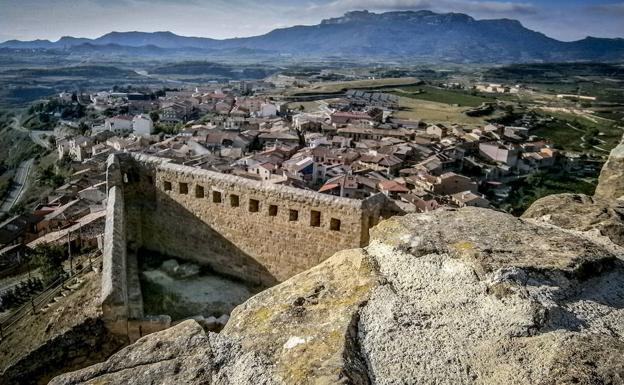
x: 38, y: 302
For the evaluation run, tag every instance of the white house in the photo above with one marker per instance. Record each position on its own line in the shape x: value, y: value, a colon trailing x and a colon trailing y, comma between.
x: 142, y: 125
x: 267, y: 110
x: 119, y: 123
x: 498, y: 152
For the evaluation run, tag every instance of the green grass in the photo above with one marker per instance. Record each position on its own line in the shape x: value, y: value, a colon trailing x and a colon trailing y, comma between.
x: 440, y: 95
x: 332, y: 87
x: 15, y: 147
x: 158, y: 301
x: 539, y: 185
x: 435, y: 112
x: 605, y: 135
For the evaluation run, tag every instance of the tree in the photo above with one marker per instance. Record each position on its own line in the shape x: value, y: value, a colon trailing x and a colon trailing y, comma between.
x: 154, y: 116
x: 83, y: 128
x: 49, y: 259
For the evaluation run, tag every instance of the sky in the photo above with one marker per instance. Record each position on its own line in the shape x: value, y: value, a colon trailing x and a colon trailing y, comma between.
x: 51, y: 19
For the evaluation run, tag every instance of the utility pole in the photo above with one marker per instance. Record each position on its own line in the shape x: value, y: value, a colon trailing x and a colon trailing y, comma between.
x: 71, y: 265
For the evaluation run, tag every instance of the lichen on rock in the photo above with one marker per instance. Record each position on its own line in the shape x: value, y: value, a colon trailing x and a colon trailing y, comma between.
x: 471, y: 296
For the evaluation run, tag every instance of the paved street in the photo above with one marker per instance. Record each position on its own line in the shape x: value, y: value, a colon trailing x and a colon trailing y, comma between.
x: 17, y: 188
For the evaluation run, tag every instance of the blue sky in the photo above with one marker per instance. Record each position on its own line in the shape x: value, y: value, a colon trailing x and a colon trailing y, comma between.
x: 51, y: 19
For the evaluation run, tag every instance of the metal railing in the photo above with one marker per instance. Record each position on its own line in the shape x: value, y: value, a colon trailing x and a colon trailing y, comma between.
x: 37, y: 303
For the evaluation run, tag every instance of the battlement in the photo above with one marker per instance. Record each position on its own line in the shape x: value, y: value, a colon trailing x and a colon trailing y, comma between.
x: 254, y: 231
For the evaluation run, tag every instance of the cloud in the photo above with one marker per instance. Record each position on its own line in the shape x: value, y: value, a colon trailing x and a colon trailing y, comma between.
x: 613, y: 9
x: 467, y: 6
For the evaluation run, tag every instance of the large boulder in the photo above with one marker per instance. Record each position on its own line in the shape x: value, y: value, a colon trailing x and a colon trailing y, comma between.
x: 602, y: 214
x: 582, y: 213
x: 611, y: 182
x: 471, y: 296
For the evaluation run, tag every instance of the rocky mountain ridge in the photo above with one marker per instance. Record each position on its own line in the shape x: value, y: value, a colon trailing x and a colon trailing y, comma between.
x: 422, y: 35
x: 470, y: 296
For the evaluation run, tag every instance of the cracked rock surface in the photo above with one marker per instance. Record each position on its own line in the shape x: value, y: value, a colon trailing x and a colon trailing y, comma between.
x: 471, y: 296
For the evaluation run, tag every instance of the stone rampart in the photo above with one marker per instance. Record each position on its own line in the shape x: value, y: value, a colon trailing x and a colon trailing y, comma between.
x: 114, y: 279
x: 259, y: 232
x: 254, y: 231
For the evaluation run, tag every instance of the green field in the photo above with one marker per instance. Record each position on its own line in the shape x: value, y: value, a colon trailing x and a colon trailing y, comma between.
x: 441, y: 95
x: 331, y: 87
x: 577, y: 133
x: 434, y: 112
x: 542, y: 184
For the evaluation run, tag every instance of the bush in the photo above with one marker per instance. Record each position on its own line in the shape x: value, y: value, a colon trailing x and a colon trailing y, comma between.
x: 47, y: 176
x: 20, y: 294
x: 49, y: 259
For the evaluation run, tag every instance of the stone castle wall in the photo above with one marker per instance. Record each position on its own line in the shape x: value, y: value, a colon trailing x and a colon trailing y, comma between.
x: 258, y: 232
x: 114, y: 265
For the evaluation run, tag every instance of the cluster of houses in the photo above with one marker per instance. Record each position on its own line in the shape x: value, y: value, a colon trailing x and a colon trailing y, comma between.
x: 72, y: 216
x: 494, y: 88
x: 350, y: 146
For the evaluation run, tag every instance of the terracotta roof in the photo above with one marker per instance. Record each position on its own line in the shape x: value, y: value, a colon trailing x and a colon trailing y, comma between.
x: 392, y: 186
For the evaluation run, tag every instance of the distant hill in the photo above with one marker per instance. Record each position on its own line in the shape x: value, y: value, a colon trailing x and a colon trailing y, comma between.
x: 77, y: 71
x: 412, y: 35
x: 214, y: 69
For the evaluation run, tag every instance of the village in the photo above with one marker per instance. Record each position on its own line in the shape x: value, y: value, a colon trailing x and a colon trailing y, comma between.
x: 319, y: 192
x: 351, y: 146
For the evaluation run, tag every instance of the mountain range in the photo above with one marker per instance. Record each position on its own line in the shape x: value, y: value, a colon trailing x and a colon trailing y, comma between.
x: 409, y: 35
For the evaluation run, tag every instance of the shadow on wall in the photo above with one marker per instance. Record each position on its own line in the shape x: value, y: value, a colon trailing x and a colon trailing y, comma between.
x: 170, y: 229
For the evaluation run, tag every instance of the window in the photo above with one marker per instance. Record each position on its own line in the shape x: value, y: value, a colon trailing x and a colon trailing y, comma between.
x: 315, y: 218
x: 199, y: 191
x: 334, y: 224
x: 272, y: 210
x: 234, y: 201
x: 183, y: 188
x: 167, y: 186
x: 254, y: 205
x: 216, y: 197
x: 293, y: 215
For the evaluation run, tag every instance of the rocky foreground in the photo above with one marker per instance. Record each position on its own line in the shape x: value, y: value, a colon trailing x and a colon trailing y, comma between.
x: 451, y: 297
x: 471, y: 296
x: 602, y: 213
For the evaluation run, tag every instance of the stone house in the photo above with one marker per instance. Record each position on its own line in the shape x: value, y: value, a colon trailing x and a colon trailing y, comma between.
x: 450, y: 183
x: 265, y: 171
x: 388, y: 164
x: 438, y: 131
x: 502, y: 153
x: 468, y: 198
x: 349, y: 186
x: 392, y: 188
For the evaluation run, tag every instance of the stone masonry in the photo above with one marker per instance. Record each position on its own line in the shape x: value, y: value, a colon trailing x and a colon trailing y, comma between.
x: 254, y: 231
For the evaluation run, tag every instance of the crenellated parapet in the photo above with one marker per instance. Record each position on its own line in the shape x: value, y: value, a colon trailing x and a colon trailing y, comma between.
x: 254, y: 231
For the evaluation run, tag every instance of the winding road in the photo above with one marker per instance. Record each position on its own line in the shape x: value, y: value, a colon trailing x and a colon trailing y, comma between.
x: 21, y: 174
x: 18, y: 186
x: 35, y: 136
